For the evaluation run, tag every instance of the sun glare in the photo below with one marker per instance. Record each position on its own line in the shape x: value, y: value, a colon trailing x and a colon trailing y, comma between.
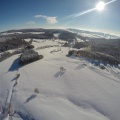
x: 100, y: 6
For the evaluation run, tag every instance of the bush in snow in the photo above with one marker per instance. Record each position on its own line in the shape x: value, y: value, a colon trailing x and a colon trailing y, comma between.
x: 71, y: 52
x: 62, y: 69
x: 29, y: 47
x: 101, y: 57
x: 36, y: 90
x: 18, y: 75
x: 5, y: 55
x: 29, y: 56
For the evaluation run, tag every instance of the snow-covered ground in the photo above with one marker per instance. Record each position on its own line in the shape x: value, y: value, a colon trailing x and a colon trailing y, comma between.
x: 36, y: 32
x: 5, y: 33
x: 11, y: 33
x: 98, y: 34
x: 79, y: 92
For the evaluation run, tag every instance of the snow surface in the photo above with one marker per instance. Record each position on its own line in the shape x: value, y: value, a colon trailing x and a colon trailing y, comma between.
x: 81, y: 92
x: 5, y: 33
x: 11, y: 33
x: 36, y: 32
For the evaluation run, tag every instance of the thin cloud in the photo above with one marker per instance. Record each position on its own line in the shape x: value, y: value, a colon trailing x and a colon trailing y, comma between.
x: 50, y: 20
x: 31, y: 22
x: 40, y: 16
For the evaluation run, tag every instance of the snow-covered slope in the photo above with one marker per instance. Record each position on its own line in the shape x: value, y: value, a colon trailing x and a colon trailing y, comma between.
x: 93, y: 34
x: 79, y: 92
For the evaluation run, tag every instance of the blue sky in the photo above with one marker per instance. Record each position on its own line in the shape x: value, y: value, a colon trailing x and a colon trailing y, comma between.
x: 16, y: 14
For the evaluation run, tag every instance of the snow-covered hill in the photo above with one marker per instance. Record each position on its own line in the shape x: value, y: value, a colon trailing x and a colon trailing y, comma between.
x: 93, y: 34
x: 79, y: 91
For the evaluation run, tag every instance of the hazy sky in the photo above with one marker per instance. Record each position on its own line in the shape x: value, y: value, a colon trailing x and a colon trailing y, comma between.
x: 15, y: 14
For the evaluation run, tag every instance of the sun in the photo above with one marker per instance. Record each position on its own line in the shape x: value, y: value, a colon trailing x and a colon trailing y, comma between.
x: 100, y: 6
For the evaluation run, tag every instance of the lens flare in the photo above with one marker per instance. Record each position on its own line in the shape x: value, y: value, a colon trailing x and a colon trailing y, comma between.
x: 100, y: 6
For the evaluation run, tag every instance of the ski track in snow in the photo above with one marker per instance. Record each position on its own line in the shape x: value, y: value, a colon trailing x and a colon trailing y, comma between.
x: 6, y: 115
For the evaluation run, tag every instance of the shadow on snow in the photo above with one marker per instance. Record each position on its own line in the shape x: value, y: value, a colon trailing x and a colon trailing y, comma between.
x: 15, y: 65
x: 30, y: 98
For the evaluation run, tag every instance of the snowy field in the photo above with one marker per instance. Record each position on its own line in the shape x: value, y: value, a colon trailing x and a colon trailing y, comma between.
x: 80, y: 91
x: 5, y: 33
